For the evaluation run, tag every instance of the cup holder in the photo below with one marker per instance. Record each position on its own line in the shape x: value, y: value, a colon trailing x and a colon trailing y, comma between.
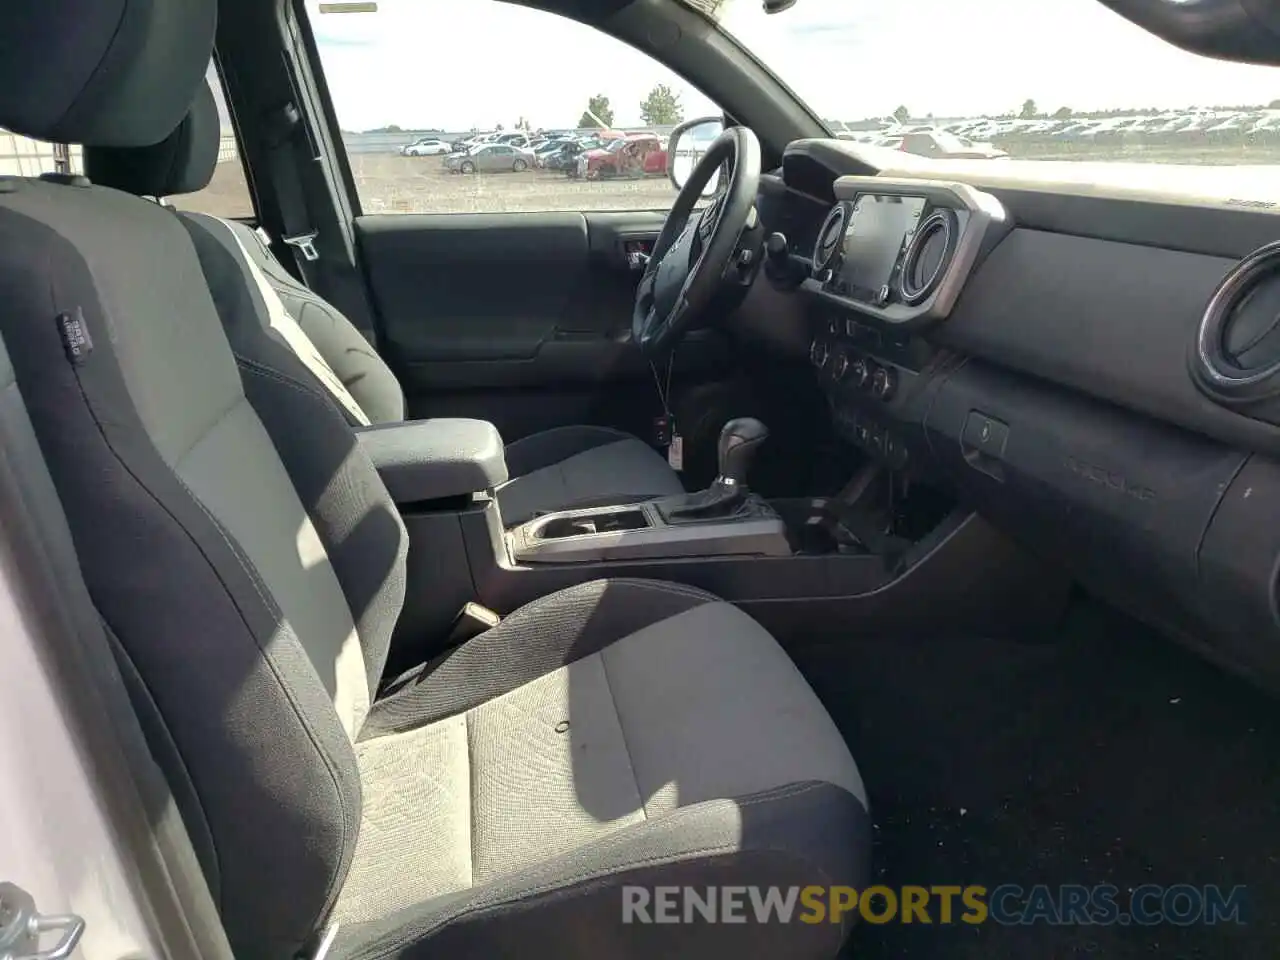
x: 587, y: 524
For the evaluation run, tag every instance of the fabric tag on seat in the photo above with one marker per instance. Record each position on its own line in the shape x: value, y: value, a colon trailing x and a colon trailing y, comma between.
x: 75, y: 336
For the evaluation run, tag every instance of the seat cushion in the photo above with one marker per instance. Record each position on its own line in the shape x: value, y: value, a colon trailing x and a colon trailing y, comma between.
x: 581, y: 466
x: 619, y: 732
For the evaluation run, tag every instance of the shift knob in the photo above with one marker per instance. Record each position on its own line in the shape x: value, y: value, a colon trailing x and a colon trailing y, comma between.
x: 740, y: 440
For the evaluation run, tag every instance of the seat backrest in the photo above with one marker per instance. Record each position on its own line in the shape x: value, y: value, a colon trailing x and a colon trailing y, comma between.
x: 335, y: 354
x: 250, y: 568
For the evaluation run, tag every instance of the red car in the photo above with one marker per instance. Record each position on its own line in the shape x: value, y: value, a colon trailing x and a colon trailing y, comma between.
x: 638, y: 155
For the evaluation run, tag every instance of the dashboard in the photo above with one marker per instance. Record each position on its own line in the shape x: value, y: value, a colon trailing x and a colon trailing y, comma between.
x: 900, y: 251
x: 1096, y: 373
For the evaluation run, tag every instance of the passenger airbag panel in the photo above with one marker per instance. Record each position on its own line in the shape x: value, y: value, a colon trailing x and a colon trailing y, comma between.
x: 1123, y: 501
x: 1239, y: 561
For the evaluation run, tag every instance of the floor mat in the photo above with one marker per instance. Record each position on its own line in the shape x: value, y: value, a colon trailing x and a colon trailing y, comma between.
x: 1107, y: 756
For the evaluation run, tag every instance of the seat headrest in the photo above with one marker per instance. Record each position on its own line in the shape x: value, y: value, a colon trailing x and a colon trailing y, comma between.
x: 182, y: 162
x: 117, y: 73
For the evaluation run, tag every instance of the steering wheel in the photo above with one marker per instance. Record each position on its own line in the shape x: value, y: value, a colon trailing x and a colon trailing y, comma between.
x: 693, y: 253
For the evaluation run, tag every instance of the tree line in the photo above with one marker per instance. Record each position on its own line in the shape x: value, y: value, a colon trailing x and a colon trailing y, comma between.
x: 662, y: 107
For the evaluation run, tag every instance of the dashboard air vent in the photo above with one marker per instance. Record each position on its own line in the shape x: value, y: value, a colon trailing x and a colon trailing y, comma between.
x: 1237, y: 351
x: 927, y: 257
x: 830, y: 237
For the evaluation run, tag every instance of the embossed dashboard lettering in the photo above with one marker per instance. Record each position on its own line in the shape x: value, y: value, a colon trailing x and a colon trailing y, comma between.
x: 1106, y: 478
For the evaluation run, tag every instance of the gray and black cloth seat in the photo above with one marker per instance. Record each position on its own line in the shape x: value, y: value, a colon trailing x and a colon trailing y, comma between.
x: 248, y: 564
x: 553, y: 470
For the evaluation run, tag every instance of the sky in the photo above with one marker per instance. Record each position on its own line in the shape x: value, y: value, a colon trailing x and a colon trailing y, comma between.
x: 458, y: 64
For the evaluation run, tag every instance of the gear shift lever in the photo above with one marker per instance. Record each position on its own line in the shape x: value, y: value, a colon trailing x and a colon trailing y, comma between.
x: 740, y: 440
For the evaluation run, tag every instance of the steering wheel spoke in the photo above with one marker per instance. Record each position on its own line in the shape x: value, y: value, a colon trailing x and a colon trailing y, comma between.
x: 694, y: 249
x: 644, y: 289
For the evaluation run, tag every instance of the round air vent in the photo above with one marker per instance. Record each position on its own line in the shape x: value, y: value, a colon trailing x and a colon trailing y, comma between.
x: 925, y: 262
x: 831, y: 238
x: 1237, y: 351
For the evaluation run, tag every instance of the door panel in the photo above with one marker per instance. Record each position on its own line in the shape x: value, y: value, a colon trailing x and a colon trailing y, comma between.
x: 474, y: 288
x: 522, y: 319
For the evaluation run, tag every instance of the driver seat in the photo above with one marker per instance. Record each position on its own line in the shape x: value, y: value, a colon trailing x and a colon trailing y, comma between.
x: 558, y: 469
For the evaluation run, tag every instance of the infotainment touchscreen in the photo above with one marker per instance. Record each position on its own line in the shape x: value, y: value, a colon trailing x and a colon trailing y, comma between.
x: 879, y: 227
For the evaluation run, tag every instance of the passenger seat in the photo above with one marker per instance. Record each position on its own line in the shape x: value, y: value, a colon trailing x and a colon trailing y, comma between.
x: 553, y: 470
x: 250, y: 568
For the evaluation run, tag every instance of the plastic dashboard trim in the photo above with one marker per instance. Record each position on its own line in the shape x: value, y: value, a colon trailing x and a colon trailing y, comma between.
x: 982, y: 219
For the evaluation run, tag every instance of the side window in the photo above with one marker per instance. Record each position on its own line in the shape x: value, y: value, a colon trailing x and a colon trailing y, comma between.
x: 561, y: 112
x: 227, y: 194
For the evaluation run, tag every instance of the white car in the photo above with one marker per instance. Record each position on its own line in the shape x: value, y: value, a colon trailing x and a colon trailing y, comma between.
x: 425, y: 147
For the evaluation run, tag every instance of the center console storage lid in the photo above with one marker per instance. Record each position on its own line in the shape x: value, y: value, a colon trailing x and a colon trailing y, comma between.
x: 422, y: 460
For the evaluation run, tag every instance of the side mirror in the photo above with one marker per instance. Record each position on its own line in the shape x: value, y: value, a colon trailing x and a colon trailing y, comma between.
x: 688, y: 143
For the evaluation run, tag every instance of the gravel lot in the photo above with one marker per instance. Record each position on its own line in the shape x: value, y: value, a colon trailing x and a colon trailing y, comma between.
x: 388, y: 183
x: 391, y: 184
x: 394, y: 184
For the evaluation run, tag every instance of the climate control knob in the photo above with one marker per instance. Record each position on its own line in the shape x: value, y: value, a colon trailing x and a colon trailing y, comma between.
x: 818, y: 353
x: 884, y: 383
x: 840, y: 365
x: 860, y: 373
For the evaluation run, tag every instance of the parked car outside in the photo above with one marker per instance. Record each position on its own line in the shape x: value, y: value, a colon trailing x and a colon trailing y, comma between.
x: 565, y: 155
x: 938, y: 143
x: 425, y: 147
x: 638, y: 155
x: 519, y: 140
x: 490, y: 158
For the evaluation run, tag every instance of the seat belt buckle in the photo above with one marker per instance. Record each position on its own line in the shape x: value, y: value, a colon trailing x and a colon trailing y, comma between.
x: 304, y: 243
x: 473, y: 620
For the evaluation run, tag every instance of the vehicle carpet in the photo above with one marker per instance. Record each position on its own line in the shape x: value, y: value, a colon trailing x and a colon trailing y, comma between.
x: 1100, y: 755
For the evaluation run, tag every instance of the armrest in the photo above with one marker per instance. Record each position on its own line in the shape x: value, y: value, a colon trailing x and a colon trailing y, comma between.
x: 435, y: 459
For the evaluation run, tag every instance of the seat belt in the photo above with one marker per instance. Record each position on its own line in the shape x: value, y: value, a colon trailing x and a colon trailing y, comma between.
x: 289, y: 159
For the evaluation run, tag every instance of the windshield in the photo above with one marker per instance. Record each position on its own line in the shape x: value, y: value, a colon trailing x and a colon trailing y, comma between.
x: 1061, y: 80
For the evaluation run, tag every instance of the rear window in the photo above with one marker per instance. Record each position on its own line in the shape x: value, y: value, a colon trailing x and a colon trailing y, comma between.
x: 227, y: 194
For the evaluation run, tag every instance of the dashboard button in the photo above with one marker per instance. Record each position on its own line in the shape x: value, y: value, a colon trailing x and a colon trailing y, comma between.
x: 851, y: 329
x: 884, y: 383
x: 985, y: 434
x: 833, y: 326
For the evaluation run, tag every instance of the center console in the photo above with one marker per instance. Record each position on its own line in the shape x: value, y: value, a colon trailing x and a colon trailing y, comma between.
x: 646, y: 531
x: 885, y: 554
x: 889, y: 263
x: 723, y: 520
x: 850, y: 562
